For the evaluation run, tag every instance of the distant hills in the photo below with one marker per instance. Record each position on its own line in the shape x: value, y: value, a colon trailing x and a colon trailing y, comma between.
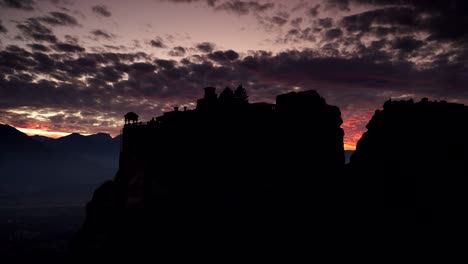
x: 38, y: 170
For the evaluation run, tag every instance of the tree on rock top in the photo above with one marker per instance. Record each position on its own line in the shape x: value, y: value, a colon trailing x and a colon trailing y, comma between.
x: 240, y: 95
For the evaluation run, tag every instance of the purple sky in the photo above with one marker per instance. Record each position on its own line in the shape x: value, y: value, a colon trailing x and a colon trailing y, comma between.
x: 79, y: 66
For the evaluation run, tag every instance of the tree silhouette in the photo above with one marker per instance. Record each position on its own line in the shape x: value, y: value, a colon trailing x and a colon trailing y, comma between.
x: 240, y: 95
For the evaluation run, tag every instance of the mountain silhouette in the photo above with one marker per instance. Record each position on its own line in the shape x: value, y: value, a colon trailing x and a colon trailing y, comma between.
x: 228, y: 171
x: 53, y: 171
x: 100, y: 147
x: 12, y: 140
x: 41, y: 138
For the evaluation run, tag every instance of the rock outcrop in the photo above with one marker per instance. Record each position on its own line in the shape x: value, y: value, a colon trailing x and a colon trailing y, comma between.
x: 228, y: 176
x: 408, y: 176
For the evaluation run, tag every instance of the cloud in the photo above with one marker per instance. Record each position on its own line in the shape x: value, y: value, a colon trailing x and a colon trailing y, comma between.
x: 142, y: 67
x: 65, y: 47
x: 102, y: 34
x: 243, y: 7
x: 2, y: 28
x: 332, y: 34
x: 205, y: 47
x: 157, y: 43
x: 33, y: 29
x: 15, y: 59
x: 109, y: 84
x: 177, y: 51
x: 39, y: 47
x: 71, y: 39
x: 296, y: 22
x: 237, y: 7
x: 296, y: 35
x: 325, y: 22
x: 101, y: 10
x: 58, y: 19
x: 313, y: 11
x: 406, y: 44
x: 280, y: 19
x: 165, y: 64
x: 442, y: 20
x: 224, y: 56
x: 27, y: 5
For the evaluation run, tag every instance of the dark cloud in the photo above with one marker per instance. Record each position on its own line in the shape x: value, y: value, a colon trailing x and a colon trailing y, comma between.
x: 44, y: 37
x: 31, y: 26
x: 112, y: 47
x: 102, y: 34
x: 71, y: 39
x: 339, y: 4
x: 325, y: 22
x: 33, y: 29
x: 45, y: 64
x: 65, y: 47
x: 403, y: 17
x: 177, y: 51
x: 94, y: 83
x: 157, y: 43
x: 109, y: 74
x: 15, y: 58
x: 165, y: 64
x: 237, y: 7
x: 406, y: 44
x: 223, y: 56
x: 27, y: 5
x: 101, y: 10
x: 298, y: 35
x: 205, y: 47
x: 280, y: 19
x: 313, y: 11
x: 443, y: 20
x: 184, y: 1
x: 2, y: 28
x: 243, y: 7
x: 296, y: 22
x: 142, y: 67
x: 332, y: 34
x: 292, y: 68
x: 16, y: 49
x: 58, y: 19
x: 39, y: 47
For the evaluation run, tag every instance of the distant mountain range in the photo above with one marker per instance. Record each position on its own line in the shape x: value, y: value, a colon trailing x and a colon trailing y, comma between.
x: 38, y: 170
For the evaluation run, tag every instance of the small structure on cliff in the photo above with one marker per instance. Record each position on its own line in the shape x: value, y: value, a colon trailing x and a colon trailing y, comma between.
x: 130, y: 118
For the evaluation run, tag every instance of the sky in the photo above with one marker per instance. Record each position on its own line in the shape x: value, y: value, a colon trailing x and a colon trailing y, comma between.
x: 79, y: 66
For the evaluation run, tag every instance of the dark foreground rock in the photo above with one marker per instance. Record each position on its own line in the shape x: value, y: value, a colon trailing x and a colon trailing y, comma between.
x: 229, y: 178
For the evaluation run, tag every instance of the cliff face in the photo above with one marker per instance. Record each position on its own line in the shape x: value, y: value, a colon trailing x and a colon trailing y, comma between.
x: 409, y: 174
x: 226, y: 174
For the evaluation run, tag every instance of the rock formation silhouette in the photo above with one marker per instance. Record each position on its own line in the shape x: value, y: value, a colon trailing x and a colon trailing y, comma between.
x: 408, y: 178
x: 236, y: 180
x: 228, y: 177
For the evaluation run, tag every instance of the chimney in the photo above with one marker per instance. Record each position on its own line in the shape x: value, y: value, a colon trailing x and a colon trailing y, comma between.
x: 185, y: 108
x: 176, y: 109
